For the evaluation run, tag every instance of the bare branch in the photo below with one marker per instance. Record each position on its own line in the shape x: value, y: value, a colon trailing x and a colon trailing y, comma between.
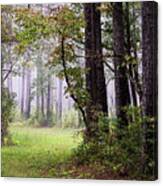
x: 9, y: 71
x: 109, y: 66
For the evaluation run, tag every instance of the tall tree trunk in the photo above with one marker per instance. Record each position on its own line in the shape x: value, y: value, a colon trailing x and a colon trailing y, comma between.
x: 59, y: 108
x: 38, y: 91
x: 122, y: 96
x: 41, y: 89
x: 22, y: 91
x: 95, y: 79
x: 52, y: 95
x: 28, y: 90
x: 37, y: 102
x: 150, y: 83
x: 136, y: 77
x: 48, y: 114
x: 128, y: 51
x: 28, y: 94
x: 42, y: 103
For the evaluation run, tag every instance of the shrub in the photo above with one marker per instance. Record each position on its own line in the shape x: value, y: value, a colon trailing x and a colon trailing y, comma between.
x: 37, y: 120
x: 123, y: 155
x: 70, y: 119
x: 7, y: 106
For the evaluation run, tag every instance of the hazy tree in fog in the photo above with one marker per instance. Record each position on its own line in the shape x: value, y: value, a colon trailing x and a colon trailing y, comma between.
x: 59, y: 102
x: 22, y: 90
x: 42, y: 100
x: 48, y: 110
x: 28, y: 93
x: 37, y: 90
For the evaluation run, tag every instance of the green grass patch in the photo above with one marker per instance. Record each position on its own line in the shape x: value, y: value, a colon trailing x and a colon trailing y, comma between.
x: 38, y: 152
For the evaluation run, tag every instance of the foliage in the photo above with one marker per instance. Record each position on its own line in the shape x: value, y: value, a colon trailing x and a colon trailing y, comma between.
x: 6, y: 23
x: 35, y: 25
x: 52, y: 42
x: 122, y: 155
x: 6, y: 117
x: 70, y: 119
x: 62, y: 24
x: 38, y: 120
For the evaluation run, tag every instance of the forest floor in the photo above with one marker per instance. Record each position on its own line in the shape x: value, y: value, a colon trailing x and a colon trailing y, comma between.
x: 45, y: 152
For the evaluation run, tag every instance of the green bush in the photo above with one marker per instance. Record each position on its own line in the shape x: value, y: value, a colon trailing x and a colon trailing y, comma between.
x: 118, y: 149
x: 7, y: 105
x: 37, y: 120
x: 70, y: 119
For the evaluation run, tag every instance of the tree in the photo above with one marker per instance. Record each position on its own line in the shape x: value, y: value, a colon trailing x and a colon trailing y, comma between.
x: 59, y: 103
x: 22, y: 92
x: 95, y: 79
x: 42, y: 100
x: 150, y: 83
x: 28, y: 93
x: 38, y: 90
x: 128, y: 52
x: 122, y: 97
x: 7, y: 103
x: 135, y: 39
x: 7, y: 106
x: 48, y: 110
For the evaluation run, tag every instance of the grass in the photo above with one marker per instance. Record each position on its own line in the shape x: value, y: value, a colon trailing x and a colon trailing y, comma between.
x: 47, y: 153
x: 38, y: 152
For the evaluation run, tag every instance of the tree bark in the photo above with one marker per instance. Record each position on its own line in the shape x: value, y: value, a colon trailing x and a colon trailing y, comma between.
x: 22, y: 92
x: 48, y: 114
x: 128, y: 51
x: 150, y: 83
x: 122, y: 96
x: 95, y: 79
x: 28, y: 94
x: 60, y: 103
x: 38, y: 89
x: 137, y: 83
x: 42, y: 103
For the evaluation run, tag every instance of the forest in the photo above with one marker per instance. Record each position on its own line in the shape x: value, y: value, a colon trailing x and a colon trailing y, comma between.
x: 79, y: 90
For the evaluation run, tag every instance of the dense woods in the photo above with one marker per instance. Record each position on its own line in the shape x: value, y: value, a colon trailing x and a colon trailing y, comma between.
x: 83, y: 70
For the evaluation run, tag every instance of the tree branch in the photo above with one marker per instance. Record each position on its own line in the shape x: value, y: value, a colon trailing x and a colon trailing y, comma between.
x: 68, y: 82
x: 8, y: 73
x: 109, y: 80
x: 109, y: 66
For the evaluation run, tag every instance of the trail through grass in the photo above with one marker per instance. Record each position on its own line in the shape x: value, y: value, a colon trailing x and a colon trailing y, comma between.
x: 38, y: 152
